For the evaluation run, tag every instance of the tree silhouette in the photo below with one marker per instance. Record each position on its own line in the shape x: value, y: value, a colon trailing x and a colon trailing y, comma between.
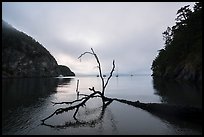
x: 181, y: 57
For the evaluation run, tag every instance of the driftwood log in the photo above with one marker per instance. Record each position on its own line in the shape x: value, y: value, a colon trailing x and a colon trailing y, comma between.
x: 181, y: 112
x: 166, y: 111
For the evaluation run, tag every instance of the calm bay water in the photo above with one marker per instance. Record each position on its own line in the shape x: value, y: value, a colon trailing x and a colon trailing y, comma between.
x: 26, y: 101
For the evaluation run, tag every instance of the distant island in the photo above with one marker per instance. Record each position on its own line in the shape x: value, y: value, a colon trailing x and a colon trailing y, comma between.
x: 23, y: 56
x: 181, y: 58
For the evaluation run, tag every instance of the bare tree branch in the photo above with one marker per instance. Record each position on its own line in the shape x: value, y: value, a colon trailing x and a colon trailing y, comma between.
x: 86, y: 97
x: 84, y: 54
x: 100, y: 71
x: 61, y: 110
x: 71, y: 102
x: 111, y: 73
x: 77, y: 86
x: 81, y: 122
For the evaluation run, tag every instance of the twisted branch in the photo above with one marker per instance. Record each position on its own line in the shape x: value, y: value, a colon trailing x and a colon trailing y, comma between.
x: 84, y: 54
x: 86, y: 97
x: 111, y: 73
x: 61, y: 110
x: 71, y: 102
x: 81, y: 122
x: 100, y: 70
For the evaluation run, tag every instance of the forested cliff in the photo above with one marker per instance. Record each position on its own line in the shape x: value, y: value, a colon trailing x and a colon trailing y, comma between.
x: 181, y: 57
x: 22, y: 56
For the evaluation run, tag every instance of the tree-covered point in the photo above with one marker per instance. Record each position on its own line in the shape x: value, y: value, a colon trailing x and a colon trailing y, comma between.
x: 23, y: 56
x: 181, y: 57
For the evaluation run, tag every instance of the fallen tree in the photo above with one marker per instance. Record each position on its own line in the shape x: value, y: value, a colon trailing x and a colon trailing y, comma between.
x: 187, y: 113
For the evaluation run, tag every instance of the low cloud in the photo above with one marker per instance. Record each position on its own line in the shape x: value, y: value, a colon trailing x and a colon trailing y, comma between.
x: 130, y: 33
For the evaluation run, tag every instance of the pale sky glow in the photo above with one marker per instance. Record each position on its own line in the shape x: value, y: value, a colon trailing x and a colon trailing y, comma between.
x: 130, y: 33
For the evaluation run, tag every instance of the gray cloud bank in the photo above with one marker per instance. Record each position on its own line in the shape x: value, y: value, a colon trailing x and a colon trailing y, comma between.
x: 130, y: 33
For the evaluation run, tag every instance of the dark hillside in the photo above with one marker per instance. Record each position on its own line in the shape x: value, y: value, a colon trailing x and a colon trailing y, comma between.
x: 22, y: 56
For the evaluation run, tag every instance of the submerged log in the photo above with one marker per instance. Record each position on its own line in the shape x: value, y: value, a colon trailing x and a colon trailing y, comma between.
x: 187, y: 113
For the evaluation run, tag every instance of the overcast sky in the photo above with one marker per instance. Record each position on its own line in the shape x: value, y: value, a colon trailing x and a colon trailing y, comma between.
x: 130, y: 33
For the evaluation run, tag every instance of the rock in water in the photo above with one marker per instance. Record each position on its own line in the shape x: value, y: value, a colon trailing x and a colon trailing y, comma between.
x: 22, y: 56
